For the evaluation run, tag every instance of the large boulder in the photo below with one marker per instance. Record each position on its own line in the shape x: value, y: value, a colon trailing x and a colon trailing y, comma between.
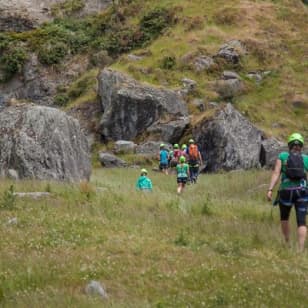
x: 42, y: 143
x: 131, y: 107
x: 109, y: 160
x: 228, y: 141
x: 22, y: 15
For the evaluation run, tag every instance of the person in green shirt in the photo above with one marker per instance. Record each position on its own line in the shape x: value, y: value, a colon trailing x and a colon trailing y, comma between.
x: 293, y: 189
x: 182, y: 171
x: 144, y: 183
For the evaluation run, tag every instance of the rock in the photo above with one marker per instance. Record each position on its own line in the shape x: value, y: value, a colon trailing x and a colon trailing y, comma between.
x: 258, y: 76
x: 230, y: 88
x: 151, y: 147
x: 12, y: 221
x: 232, y: 51
x: 203, y: 63
x: 39, y: 84
x: 96, y: 288
x: 123, y: 146
x: 171, y: 131
x: 227, y: 75
x: 32, y: 195
x: 134, y: 57
x: 23, y: 15
x: 131, y: 107
x: 270, y: 148
x: 13, y: 174
x: 199, y: 103
x: 109, y: 160
x: 228, y: 141
x: 42, y: 143
x: 189, y: 85
x: 213, y: 105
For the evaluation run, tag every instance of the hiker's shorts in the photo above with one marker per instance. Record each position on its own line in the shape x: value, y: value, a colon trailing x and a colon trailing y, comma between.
x: 181, y: 180
x: 163, y: 166
x: 298, y: 198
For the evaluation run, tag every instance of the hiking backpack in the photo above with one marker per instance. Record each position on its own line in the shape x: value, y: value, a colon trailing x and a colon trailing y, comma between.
x: 193, y: 152
x: 295, y: 169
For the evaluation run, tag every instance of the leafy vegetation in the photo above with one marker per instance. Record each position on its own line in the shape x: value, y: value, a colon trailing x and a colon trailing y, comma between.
x: 158, y: 249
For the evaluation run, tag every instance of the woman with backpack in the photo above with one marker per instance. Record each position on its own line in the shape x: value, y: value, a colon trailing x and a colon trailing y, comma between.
x: 182, y: 174
x: 292, y: 167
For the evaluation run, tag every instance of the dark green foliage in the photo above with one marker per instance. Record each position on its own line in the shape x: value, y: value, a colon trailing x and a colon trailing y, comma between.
x: 168, y: 62
x: 52, y: 52
x: 153, y: 24
x: 12, y: 60
x: 61, y: 99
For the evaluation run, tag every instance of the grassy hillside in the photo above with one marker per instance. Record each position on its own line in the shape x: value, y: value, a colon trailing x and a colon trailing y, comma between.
x: 168, y: 34
x: 218, y: 244
x: 275, y: 36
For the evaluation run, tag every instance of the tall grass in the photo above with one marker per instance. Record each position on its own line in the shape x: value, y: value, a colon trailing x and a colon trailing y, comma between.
x: 217, y: 244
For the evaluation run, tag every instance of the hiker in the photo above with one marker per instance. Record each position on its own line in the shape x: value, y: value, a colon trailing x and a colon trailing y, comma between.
x: 144, y: 183
x: 176, y: 153
x: 184, y: 151
x: 194, y: 159
x: 182, y: 171
x: 292, y: 166
x: 163, y: 159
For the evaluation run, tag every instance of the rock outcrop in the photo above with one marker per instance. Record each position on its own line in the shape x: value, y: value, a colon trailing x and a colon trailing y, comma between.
x: 42, y: 143
x: 22, y: 15
x: 130, y: 107
x: 228, y: 141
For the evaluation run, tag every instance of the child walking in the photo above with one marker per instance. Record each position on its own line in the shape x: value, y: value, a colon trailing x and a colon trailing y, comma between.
x: 182, y: 170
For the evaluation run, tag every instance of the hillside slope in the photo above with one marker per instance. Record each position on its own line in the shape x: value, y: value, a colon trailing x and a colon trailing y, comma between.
x: 160, y: 44
x: 274, y: 35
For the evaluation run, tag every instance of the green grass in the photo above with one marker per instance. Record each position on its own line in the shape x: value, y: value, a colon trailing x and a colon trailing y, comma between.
x: 217, y: 244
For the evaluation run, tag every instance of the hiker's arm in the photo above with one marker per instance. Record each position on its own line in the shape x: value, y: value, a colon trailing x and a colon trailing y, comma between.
x: 200, y: 157
x: 274, y: 179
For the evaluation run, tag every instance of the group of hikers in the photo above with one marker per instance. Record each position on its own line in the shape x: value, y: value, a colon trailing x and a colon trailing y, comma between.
x: 291, y: 168
x: 184, y: 161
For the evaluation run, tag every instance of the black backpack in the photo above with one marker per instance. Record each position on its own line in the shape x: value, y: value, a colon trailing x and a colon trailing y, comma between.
x: 295, y: 167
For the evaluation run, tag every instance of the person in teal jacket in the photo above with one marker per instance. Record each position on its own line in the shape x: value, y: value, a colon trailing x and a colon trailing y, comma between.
x: 293, y: 189
x: 143, y: 182
x: 182, y: 174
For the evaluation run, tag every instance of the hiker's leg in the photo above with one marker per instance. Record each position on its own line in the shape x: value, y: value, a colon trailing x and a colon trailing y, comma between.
x: 285, y: 228
x: 301, y: 212
x: 284, y: 220
x: 301, y: 236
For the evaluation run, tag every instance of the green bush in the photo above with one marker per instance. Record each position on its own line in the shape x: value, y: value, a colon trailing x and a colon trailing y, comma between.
x: 8, y: 200
x: 61, y: 99
x: 12, y: 61
x: 153, y: 24
x: 52, y: 53
x: 168, y: 62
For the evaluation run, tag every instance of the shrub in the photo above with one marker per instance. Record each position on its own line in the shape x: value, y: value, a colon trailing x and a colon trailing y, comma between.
x: 52, y: 53
x: 12, y: 61
x: 168, y: 62
x: 153, y: 24
x: 61, y: 99
x: 8, y: 201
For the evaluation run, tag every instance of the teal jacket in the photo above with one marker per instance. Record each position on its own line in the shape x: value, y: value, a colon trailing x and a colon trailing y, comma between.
x: 144, y: 183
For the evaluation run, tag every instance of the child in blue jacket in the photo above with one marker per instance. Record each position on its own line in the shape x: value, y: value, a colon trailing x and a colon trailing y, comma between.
x: 143, y: 182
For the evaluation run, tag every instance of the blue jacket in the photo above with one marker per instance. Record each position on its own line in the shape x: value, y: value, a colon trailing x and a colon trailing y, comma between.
x: 144, y: 183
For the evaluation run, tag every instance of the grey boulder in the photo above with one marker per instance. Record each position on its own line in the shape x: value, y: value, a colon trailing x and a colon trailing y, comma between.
x: 228, y: 141
x: 109, y: 160
x: 42, y: 143
x: 130, y: 107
